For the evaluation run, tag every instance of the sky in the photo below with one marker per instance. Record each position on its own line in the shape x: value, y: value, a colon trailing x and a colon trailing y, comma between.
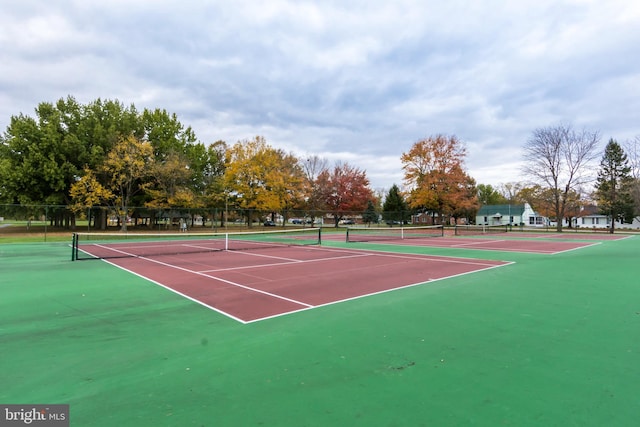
x: 350, y: 81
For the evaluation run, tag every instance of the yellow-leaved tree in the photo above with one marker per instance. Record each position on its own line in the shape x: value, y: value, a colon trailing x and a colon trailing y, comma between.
x: 262, y: 179
x: 126, y: 166
x: 88, y: 192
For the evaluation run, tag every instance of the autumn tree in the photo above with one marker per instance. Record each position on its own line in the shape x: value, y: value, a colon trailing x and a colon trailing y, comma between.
x: 614, y: 185
x: 468, y: 205
x: 262, y: 178
x: 88, y: 192
x: 434, y: 172
x: 286, y: 183
x: 540, y: 198
x: 127, y: 165
x: 557, y: 158
x: 343, y: 190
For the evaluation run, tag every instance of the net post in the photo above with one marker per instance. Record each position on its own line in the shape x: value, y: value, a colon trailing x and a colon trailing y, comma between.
x: 320, y: 235
x: 347, y: 239
x: 74, y: 246
x: 226, y: 241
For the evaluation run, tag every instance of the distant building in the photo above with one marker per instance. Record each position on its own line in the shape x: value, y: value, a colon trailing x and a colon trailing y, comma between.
x: 589, y: 217
x: 517, y: 214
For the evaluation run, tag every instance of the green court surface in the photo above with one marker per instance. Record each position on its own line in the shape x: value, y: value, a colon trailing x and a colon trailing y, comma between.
x: 550, y: 340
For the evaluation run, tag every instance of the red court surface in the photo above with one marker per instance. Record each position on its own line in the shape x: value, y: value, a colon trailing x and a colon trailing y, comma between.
x: 569, y: 235
x: 255, y: 285
x: 491, y: 243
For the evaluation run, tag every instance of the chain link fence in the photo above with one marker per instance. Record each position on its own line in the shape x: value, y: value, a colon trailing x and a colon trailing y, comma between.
x: 46, y: 220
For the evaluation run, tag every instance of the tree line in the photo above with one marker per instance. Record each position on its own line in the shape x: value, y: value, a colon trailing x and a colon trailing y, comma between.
x: 106, y: 154
x: 565, y: 178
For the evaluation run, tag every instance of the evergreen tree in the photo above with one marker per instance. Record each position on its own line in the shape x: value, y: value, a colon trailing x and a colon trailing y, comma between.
x: 394, y: 208
x: 370, y: 215
x: 487, y: 195
x: 613, y: 186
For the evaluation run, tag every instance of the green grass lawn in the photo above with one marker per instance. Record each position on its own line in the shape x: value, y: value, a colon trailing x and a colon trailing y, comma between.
x: 551, y: 340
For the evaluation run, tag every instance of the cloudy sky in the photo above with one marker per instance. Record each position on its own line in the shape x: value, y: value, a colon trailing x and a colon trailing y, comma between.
x: 355, y: 81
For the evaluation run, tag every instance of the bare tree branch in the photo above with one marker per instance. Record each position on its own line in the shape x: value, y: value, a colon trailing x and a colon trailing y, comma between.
x: 557, y: 158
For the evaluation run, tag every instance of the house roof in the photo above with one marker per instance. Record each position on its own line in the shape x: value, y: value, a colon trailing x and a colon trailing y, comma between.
x: 590, y: 210
x: 502, y: 210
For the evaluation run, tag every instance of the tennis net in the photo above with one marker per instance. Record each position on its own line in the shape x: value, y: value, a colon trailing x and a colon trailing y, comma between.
x: 372, y: 234
x: 119, y: 245
x: 477, y: 230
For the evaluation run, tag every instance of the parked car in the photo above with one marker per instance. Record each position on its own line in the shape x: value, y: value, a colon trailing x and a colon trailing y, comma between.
x: 296, y: 221
x: 269, y: 223
x: 348, y: 222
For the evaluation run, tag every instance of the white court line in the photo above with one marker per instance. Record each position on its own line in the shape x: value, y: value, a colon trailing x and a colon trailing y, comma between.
x: 377, y: 293
x: 481, y: 242
x: 202, y: 303
x: 249, y: 288
x: 443, y: 243
x: 284, y: 263
x: 575, y: 249
x: 305, y: 306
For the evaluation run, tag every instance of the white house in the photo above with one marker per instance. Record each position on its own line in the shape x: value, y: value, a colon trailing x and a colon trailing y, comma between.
x: 590, y: 218
x: 518, y: 214
x: 523, y: 214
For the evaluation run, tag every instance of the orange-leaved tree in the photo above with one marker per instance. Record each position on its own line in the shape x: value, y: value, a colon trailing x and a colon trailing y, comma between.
x: 435, y: 176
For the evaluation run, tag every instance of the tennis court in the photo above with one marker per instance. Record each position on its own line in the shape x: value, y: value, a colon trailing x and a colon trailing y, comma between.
x: 269, y: 274
x: 548, y: 340
x: 477, y: 238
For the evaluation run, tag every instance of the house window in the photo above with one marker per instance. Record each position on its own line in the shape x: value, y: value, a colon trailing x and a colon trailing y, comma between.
x: 536, y: 220
x: 486, y: 219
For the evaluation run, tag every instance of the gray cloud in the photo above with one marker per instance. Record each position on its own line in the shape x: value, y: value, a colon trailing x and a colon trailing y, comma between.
x: 355, y: 81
